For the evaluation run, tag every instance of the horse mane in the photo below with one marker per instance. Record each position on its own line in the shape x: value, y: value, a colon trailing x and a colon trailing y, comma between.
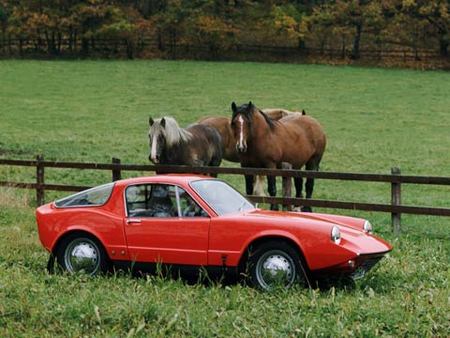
x: 269, y: 121
x: 172, y: 131
x: 249, y: 109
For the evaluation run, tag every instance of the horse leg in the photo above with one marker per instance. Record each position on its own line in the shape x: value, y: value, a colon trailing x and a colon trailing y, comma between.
x: 286, y: 185
x: 248, y: 184
x: 298, y: 182
x: 272, y: 188
x: 215, y: 161
x: 312, y: 164
x: 258, y: 189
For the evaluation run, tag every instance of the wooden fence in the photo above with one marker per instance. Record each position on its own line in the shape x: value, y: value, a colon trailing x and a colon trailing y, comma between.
x: 117, y: 47
x: 396, y: 180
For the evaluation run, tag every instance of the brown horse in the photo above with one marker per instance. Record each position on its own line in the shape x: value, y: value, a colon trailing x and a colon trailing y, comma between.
x: 262, y: 142
x: 230, y: 153
x: 223, y: 126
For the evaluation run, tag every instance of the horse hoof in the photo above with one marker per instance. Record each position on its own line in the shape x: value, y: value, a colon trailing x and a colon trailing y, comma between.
x: 306, y: 209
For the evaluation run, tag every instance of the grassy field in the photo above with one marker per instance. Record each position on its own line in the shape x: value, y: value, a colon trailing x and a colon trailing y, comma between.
x: 93, y: 110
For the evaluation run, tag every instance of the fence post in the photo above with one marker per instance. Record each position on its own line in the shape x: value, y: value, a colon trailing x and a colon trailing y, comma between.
x: 116, y: 172
x: 40, y: 192
x: 396, y: 194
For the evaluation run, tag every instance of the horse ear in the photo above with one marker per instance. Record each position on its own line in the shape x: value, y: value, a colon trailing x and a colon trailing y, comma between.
x: 150, y: 121
x: 163, y: 122
x: 303, y: 112
x: 250, y: 105
x: 233, y: 107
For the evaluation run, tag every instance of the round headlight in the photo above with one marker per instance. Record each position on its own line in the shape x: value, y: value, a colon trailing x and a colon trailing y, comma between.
x: 336, y: 234
x: 367, y: 227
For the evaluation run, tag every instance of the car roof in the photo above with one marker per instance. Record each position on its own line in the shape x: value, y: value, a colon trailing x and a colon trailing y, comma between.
x: 183, y: 179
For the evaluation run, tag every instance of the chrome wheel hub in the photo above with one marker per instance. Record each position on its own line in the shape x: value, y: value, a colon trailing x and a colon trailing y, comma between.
x: 274, y: 268
x: 82, y: 255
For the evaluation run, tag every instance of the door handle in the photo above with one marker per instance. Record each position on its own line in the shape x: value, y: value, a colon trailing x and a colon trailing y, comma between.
x: 133, y: 221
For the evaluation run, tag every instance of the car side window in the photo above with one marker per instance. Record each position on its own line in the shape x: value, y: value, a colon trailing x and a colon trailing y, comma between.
x: 92, y: 197
x: 161, y: 200
x: 188, y: 207
x: 151, y: 200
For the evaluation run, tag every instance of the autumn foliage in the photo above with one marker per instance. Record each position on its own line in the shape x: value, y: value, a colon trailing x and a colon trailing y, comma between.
x: 350, y: 29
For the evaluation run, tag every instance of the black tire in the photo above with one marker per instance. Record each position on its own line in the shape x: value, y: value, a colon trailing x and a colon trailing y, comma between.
x: 92, y: 258
x: 275, y: 264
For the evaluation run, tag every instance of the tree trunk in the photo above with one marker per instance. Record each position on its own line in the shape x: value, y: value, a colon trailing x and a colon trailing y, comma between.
x: 355, y: 51
x: 443, y: 46
x: 59, y: 35
x: 160, y: 41
x: 53, y: 43
x: 3, y: 38
x: 70, y: 40
x: 39, y: 42
x: 301, y: 44
x: 84, y: 46
x: 343, y: 46
x: 9, y: 45
x: 130, y: 48
x: 75, y: 41
x: 50, y: 43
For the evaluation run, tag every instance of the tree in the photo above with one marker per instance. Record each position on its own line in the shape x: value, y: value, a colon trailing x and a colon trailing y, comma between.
x: 436, y: 14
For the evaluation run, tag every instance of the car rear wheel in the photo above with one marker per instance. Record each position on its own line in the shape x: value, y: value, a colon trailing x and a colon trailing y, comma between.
x: 275, y: 264
x: 81, y: 253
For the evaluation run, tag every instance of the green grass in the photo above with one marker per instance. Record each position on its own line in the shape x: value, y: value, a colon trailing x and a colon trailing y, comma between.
x: 94, y: 110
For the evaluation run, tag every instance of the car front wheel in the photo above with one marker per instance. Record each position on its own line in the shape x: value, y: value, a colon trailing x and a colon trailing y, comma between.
x: 275, y: 264
x: 79, y: 253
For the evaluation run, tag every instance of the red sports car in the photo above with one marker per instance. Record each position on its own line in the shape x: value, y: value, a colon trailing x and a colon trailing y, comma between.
x: 191, y: 221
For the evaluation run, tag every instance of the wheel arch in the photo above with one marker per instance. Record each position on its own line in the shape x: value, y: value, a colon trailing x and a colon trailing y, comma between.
x: 80, y: 231
x: 268, y: 237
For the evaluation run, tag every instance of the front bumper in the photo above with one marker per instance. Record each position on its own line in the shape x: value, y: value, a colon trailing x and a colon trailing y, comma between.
x: 355, y: 268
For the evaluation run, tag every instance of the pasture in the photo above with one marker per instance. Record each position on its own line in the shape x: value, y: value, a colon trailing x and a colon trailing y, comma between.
x: 94, y: 110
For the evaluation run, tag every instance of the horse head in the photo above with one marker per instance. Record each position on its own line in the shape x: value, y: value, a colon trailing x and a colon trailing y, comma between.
x: 157, y: 139
x: 241, y: 124
x: 163, y: 135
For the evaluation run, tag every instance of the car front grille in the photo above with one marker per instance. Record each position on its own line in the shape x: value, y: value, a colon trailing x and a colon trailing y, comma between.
x: 366, y: 263
x: 369, y: 263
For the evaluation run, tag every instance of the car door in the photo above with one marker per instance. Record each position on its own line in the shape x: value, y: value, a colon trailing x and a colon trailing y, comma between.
x: 160, y: 226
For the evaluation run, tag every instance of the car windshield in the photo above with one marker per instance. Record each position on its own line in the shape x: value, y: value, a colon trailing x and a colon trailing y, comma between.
x: 221, y: 197
x: 91, y: 197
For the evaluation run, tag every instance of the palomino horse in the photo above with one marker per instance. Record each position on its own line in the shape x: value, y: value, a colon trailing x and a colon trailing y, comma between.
x: 197, y: 145
x: 230, y: 153
x: 262, y: 142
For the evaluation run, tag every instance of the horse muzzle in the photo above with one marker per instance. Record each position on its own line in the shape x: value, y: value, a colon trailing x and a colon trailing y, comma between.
x: 155, y: 159
x: 241, y: 148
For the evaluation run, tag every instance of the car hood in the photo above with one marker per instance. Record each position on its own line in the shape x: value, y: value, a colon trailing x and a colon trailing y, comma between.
x: 353, y: 236
x: 342, y: 221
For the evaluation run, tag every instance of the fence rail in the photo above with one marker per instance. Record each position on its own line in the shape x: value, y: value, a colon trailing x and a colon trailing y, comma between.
x: 434, y: 180
x: 143, y: 47
x: 116, y: 167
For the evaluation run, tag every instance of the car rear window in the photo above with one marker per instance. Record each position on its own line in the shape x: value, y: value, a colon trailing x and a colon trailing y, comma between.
x: 91, y: 197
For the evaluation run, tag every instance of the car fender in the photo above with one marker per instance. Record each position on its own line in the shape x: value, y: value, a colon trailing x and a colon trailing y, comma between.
x: 75, y: 228
x: 279, y: 234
